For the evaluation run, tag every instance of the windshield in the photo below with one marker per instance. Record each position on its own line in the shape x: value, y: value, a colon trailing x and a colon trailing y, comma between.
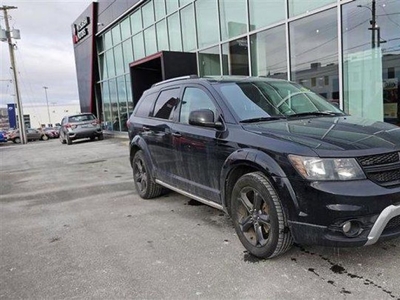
x: 263, y: 99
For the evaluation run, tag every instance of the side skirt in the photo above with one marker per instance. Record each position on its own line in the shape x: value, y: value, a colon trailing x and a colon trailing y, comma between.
x: 202, y: 200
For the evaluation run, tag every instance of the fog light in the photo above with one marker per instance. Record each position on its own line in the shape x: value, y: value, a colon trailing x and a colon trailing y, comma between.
x: 351, y: 228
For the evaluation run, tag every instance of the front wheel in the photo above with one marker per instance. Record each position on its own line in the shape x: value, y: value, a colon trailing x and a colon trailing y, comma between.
x: 44, y: 137
x: 258, y: 216
x: 144, y: 184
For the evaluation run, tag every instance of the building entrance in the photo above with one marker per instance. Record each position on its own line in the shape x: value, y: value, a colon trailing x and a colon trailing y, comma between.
x: 158, y: 67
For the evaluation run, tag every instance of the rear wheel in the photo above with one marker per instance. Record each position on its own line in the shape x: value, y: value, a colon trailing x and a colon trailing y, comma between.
x: 17, y: 140
x: 44, y: 137
x: 101, y: 137
x: 258, y: 216
x: 145, y: 186
x: 69, y: 141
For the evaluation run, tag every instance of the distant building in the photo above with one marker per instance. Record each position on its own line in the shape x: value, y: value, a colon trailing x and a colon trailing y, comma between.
x: 36, y: 116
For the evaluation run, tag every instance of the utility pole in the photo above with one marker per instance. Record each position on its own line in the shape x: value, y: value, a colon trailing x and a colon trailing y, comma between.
x: 21, y: 121
x: 373, y: 24
x: 47, y: 102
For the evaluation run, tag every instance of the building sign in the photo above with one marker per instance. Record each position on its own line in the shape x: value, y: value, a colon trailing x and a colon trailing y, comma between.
x: 12, y: 120
x: 81, y: 30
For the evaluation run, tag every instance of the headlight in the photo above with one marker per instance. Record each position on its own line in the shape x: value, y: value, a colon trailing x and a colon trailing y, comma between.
x: 315, y: 168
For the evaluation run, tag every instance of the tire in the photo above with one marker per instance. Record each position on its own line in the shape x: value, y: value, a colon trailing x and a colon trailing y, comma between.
x: 44, y: 137
x: 17, y: 140
x: 69, y: 141
x: 258, y: 216
x: 144, y: 184
x: 101, y: 137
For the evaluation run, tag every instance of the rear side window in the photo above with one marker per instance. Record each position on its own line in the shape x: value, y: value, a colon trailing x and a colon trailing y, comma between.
x: 166, y: 103
x: 81, y: 118
x: 144, y: 106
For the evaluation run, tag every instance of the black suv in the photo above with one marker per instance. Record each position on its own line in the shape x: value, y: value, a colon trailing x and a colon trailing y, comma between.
x: 287, y: 165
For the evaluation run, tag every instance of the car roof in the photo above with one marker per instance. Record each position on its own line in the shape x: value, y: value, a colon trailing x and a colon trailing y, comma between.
x: 212, y: 80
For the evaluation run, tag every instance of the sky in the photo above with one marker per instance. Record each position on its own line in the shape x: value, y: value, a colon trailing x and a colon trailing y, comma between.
x: 44, y: 55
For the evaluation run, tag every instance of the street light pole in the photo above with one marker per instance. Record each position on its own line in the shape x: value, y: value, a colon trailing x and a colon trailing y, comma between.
x: 21, y: 121
x: 47, y: 102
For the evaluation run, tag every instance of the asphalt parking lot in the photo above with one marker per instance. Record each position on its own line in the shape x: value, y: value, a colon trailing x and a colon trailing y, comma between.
x: 72, y: 226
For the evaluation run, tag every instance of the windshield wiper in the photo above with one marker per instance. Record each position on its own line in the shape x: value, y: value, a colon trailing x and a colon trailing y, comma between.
x: 261, y: 119
x: 315, y: 113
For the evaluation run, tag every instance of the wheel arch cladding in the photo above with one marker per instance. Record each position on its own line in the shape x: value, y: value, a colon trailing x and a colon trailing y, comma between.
x: 245, y: 161
x: 137, y: 144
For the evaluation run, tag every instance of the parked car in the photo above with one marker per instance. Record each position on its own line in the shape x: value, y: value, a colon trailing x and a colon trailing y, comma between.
x: 80, y: 126
x: 31, y: 135
x: 52, y: 132
x: 287, y: 165
x: 3, y: 137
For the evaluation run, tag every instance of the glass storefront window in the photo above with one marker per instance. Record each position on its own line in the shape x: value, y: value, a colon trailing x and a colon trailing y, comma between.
x: 263, y: 13
x: 314, y: 55
x: 235, y: 57
x: 184, y: 2
x: 116, y: 35
x: 162, y: 35
x: 113, y: 101
x: 127, y: 49
x: 125, y: 29
x: 100, y: 45
x: 148, y: 14
x: 107, y: 40
x: 172, y: 5
x: 102, y: 67
x: 138, y: 46
x: 174, y: 33
x: 207, y: 22
x: 110, y: 63
x: 150, y: 40
x: 129, y: 93
x: 106, y: 105
x: 136, y: 21
x: 188, y: 28
x: 297, y: 7
x: 233, y: 18
x: 268, y: 53
x: 209, y: 62
x: 119, y: 61
x: 120, y: 124
x: 371, y: 60
x: 159, y: 9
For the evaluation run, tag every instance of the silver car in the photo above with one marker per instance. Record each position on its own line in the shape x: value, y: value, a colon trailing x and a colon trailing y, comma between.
x: 80, y: 126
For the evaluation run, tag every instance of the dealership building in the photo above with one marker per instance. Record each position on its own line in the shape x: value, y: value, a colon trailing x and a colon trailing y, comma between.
x: 347, y: 51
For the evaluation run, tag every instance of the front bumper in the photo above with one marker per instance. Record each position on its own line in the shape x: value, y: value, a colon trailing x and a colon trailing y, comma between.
x: 324, y: 209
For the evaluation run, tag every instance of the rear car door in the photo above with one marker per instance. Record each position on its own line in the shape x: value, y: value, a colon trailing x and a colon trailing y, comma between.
x: 156, y: 131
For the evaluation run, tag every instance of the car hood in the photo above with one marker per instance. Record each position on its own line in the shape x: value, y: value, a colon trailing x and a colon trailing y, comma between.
x: 332, y: 133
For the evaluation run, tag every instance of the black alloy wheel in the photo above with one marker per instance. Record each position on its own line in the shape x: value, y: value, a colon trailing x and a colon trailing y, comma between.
x: 258, y: 216
x: 144, y: 184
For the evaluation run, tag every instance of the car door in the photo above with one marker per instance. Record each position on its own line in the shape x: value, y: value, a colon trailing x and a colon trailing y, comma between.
x: 200, y: 150
x: 156, y: 131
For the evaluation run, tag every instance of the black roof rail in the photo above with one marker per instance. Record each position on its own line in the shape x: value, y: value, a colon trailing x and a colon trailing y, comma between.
x: 175, y: 79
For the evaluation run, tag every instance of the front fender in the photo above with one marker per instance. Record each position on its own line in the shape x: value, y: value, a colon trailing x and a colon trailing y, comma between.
x: 263, y: 162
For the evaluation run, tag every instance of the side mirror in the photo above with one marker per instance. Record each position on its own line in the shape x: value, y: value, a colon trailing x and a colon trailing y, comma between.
x: 203, y: 117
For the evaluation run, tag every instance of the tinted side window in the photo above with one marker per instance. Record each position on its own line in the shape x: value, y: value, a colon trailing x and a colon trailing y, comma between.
x: 144, y: 106
x: 194, y: 99
x: 166, y: 104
